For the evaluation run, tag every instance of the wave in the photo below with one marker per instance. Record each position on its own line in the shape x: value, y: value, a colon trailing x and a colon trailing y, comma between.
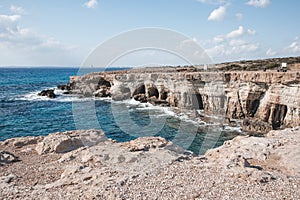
x: 228, y: 128
x: 60, y: 97
x: 131, y: 104
x: 162, y: 111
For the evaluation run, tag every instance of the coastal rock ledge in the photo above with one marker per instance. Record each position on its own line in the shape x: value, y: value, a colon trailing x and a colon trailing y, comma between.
x: 87, y: 165
x: 262, y: 101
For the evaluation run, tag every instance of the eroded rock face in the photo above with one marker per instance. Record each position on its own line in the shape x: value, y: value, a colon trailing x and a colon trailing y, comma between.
x: 269, y: 97
x: 120, y: 92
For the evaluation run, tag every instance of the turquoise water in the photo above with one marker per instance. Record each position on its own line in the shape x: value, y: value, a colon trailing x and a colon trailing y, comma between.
x: 24, y: 113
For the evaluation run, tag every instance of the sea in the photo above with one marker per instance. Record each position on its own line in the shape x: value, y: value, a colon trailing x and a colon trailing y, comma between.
x: 24, y: 113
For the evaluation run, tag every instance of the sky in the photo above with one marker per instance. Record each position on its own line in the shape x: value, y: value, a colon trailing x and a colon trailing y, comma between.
x: 65, y: 32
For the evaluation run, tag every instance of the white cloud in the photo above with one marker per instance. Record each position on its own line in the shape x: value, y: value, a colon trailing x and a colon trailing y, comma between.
x: 232, y: 46
x: 251, y: 32
x: 217, y: 51
x: 218, y: 14
x: 235, y: 42
x: 213, y: 2
x: 8, y: 23
x: 259, y: 3
x: 232, y: 50
x: 19, y: 46
x: 240, y: 32
x: 271, y: 52
x: 9, y: 18
x: 244, y: 48
x: 236, y: 33
x: 294, y: 47
x: 218, y: 39
x: 17, y: 10
x: 91, y: 4
x: 239, y: 16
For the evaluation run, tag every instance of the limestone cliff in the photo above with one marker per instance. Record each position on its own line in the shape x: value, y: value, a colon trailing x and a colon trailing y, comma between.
x: 263, y: 100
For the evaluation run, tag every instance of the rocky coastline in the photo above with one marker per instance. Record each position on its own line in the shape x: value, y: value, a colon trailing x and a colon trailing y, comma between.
x: 87, y: 165
x: 260, y: 100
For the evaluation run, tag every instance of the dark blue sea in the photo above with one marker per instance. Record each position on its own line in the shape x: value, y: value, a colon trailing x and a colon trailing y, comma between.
x: 24, y: 113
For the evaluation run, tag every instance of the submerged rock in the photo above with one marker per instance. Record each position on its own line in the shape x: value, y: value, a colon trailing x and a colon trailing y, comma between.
x: 49, y: 93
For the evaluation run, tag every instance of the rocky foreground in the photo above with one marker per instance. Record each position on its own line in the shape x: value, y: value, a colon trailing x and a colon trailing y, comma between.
x: 86, y: 165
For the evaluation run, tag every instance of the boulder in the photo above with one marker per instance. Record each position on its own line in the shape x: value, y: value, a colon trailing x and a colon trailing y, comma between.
x: 7, y: 158
x: 145, y: 143
x: 7, y: 179
x: 64, y: 142
x: 49, y: 93
x: 256, y: 126
x: 154, y: 101
x: 62, y: 87
x: 102, y: 92
x: 58, y: 144
x: 140, y: 97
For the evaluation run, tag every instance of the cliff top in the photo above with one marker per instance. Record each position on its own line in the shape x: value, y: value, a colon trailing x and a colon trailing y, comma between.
x: 269, y: 65
x: 62, y: 166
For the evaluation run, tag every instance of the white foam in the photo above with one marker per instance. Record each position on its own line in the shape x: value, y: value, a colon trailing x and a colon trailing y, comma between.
x: 131, y: 103
x: 183, y: 117
x: 60, y: 97
x: 232, y: 129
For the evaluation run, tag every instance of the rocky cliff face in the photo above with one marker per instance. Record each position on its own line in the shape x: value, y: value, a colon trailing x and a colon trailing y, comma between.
x: 263, y: 100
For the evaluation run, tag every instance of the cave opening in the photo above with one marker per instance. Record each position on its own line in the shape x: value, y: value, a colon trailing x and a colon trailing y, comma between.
x: 153, y: 91
x: 141, y: 89
x: 197, y: 102
x: 252, y: 106
x: 278, y: 116
x: 103, y: 82
x: 164, y: 95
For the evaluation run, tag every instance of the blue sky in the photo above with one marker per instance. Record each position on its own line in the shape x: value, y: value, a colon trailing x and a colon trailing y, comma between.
x: 63, y: 33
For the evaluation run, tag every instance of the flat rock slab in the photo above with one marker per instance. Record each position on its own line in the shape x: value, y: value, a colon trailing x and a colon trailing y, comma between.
x: 149, y: 168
